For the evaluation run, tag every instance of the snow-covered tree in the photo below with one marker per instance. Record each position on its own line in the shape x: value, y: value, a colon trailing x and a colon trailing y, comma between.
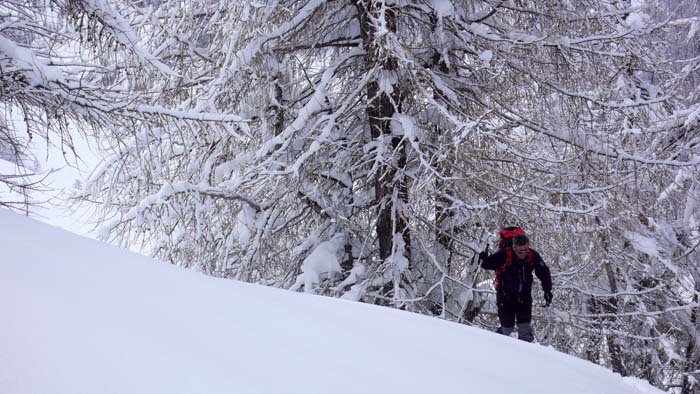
x: 56, y: 82
x: 633, y: 292
x: 37, y: 96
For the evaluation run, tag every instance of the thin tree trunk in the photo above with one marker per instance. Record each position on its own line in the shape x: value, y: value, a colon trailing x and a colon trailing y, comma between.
x: 692, y: 354
x: 611, y: 307
x: 444, y: 214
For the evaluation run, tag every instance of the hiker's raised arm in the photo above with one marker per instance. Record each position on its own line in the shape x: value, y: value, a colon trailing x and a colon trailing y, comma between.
x: 494, y: 261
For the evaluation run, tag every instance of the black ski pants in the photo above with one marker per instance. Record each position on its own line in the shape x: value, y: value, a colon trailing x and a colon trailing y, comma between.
x: 512, y: 312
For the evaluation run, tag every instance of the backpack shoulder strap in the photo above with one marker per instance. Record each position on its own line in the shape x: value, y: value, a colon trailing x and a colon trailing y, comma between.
x: 509, y: 261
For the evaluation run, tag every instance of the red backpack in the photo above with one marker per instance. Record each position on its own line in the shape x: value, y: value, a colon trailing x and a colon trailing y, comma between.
x: 507, y: 234
x: 506, y: 242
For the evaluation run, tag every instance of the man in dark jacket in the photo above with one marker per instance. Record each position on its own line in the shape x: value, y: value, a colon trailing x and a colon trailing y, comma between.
x: 514, y: 266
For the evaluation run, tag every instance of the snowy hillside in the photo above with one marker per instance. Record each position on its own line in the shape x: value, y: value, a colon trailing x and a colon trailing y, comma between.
x: 80, y: 317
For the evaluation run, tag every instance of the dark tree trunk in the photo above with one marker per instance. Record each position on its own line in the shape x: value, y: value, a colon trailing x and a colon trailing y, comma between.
x: 390, y: 186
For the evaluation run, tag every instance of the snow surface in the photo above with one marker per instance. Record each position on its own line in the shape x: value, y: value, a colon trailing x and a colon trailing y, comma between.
x: 80, y: 316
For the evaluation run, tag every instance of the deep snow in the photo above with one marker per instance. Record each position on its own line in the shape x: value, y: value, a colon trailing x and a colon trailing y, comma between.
x: 79, y: 316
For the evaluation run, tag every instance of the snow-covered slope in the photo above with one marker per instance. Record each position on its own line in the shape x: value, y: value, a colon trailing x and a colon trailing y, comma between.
x: 78, y: 316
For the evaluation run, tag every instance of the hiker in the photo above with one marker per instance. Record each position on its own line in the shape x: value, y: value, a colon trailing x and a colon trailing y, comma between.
x: 514, y: 263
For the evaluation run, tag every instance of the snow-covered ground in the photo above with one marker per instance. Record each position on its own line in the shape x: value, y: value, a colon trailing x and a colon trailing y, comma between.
x: 79, y: 316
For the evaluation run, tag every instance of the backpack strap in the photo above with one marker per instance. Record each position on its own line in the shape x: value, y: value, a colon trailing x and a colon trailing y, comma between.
x: 509, y: 261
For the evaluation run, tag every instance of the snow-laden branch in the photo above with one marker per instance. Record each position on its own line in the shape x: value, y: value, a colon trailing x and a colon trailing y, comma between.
x: 616, y: 294
x: 572, y: 137
x: 312, y: 107
x: 627, y: 103
x: 330, y: 120
x: 120, y: 29
x: 167, y: 192
x: 128, y: 107
x: 23, y: 60
x: 243, y: 57
x: 681, y: 308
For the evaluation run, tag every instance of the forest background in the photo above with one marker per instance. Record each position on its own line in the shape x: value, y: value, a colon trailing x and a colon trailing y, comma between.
x: 370, y: 149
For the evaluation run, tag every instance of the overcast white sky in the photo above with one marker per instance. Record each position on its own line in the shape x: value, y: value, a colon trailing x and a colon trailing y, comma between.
x: 63, y: 174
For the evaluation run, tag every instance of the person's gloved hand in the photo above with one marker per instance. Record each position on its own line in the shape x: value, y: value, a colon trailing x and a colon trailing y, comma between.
x: 484, y: 254
x: 548, y: 298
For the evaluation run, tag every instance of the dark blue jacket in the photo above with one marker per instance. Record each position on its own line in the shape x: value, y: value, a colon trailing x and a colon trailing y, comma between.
x: 515, y: 281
